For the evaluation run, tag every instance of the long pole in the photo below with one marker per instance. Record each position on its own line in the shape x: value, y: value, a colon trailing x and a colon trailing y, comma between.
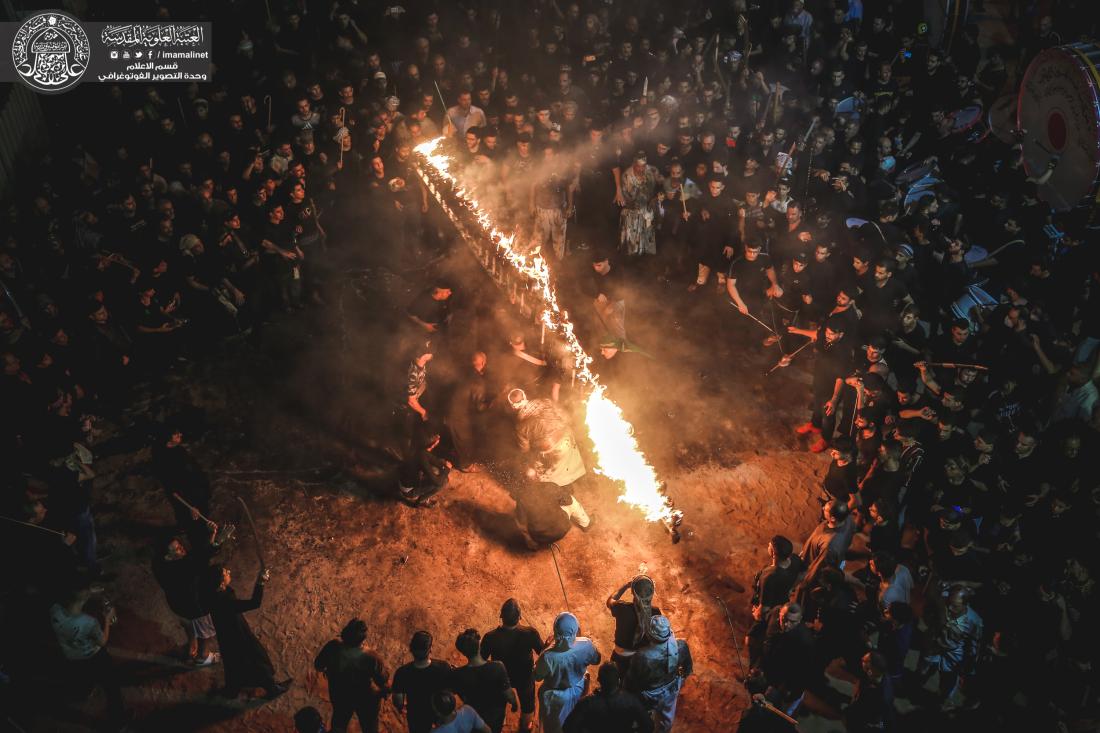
x: 255, y: 534
x: 444, y: 102
x: 33, y: 526
x: 750, y: 315
x: 554, y: 557
x: 787, y: 358
x: 952, y: 365
x: 192, y: 507
x: 736, y: 643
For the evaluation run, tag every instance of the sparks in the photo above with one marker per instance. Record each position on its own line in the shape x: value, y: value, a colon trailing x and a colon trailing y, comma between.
x: 618, y: 456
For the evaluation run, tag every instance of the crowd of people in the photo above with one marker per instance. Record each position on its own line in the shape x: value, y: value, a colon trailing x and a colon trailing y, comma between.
x: 808, y: 160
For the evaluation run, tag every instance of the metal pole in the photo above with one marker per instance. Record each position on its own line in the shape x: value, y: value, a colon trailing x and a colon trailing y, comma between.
x: 554, y: 557
x: 736, y: 643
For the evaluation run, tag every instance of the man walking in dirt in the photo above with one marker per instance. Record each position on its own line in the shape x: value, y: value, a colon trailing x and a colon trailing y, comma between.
x: 357, y: 678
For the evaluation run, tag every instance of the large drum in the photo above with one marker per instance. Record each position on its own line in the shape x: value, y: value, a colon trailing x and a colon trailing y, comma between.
x: 1058, y: 112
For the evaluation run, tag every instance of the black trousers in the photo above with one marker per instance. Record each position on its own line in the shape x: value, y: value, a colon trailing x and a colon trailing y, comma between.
x: 99, y: 670
x: 365, y: 708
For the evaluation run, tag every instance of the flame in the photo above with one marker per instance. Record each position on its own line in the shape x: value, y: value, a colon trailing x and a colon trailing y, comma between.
x: 617, y: 453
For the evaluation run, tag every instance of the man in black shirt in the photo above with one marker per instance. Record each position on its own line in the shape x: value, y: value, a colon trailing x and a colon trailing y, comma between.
x: 183, y: 480
x: 431, y: 310
x: 415, y: 683
x: 712, y: 220
x: 751, y: 281
x: 357, y: 678
x: 610, y: 709
x: 881, y: 301
x: 833, y: 364
x: 180, y: 574
x: 770, y: 588
x: 482, y: 685
x: 515, y: 646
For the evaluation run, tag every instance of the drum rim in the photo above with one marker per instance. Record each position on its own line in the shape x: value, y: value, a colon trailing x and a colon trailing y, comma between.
x: 1075, y: 54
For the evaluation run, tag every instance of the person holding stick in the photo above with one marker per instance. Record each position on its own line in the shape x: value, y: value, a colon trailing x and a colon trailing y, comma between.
x: 247, y: 663
x: 185, y: 483
x: 180, y: 573
x: 751, y: 284
x: 835, y: 355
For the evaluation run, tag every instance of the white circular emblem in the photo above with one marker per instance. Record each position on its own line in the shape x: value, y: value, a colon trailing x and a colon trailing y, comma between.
x: 50, y: 52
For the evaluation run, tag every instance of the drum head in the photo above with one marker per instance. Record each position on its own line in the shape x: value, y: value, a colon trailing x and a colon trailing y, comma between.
x: 965, y: 118
x: 848, y: 106
x: 914, y: 173
x: 1002, y: 119
x: 1059, y: 112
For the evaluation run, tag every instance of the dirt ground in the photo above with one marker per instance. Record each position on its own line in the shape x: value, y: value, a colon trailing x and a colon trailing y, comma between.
x: 299, y: 429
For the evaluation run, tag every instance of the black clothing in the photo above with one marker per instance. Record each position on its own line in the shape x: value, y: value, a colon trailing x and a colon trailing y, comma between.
x: 180, y: 580
x: 246, y: 662
x: 357, y: 683
x: 626, y: 625
x: 616, y: 712
x: 539, y: 507
x: 751, y: 278
x: 430, y: 310
x: 772, y: 585
x: 872, y: 707
x: 418, y: 684
x: 485, y: 689
x: 840, y: 481
x: 516, y: 648
x: 179, y: 473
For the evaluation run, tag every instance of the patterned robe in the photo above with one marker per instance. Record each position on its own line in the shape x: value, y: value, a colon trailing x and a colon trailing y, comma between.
x: 637, y: 234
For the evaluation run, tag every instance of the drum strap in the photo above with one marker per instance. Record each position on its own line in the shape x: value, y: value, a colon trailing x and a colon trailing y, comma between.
x: 1003, y: 247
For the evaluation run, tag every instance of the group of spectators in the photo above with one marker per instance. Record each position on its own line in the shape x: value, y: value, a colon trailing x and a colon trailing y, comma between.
x: 638, y: 686
x: 774, y: 146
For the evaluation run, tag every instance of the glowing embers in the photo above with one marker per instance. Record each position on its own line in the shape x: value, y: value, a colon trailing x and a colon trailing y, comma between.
x: 617, y: 454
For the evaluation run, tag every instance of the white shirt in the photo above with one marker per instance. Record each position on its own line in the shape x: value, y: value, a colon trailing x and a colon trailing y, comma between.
x: 463, y: 122
x: 466, y: 720
x: 80, y: 636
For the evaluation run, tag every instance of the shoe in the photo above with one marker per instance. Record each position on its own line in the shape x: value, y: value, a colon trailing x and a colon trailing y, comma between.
x: 771, y: 340
x: 425, y: 503
x: 807, y: 428
x: 693, y: 287
x: 279, y: 689
x: 819, y: 446
x: 586, y: 527
x: 211, y: 659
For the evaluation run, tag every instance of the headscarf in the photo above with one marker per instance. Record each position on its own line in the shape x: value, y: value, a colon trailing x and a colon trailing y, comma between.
x: 643, y: 589
x: 660, y: 631
x: 566, y: 628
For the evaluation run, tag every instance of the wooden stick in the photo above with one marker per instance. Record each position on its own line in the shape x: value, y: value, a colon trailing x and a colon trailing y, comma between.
x: 683, y: 202
x: 788, y: 357
x: 267, y: 101
x: 776, y: 711
x: 183, y: 501
x: 951, y: 365
x: 33, y: 526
